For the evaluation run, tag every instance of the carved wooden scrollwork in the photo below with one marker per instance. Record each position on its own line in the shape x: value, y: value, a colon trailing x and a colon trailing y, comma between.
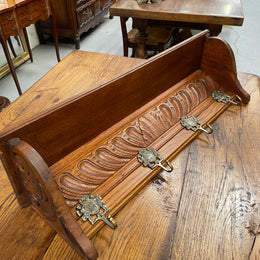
x: 35, y: 189
x: 97, y: 166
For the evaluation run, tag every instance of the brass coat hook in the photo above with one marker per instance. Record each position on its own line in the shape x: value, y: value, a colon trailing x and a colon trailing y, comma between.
x: 149, y: 157
x: 192, y: 123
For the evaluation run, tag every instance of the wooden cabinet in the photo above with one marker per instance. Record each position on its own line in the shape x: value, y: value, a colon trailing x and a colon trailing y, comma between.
x: 75, y: 17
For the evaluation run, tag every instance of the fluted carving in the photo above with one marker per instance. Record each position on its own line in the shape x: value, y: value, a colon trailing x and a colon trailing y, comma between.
x: 102, y: 163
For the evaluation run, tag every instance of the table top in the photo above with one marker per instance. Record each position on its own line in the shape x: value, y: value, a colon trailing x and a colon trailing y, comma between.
x: 7, y: 5
x: 227, y: 12
x: 207, y: 208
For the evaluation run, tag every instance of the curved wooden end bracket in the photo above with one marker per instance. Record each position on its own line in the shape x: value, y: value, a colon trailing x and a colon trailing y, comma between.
x: 218, y: 61
x: 43, y: 194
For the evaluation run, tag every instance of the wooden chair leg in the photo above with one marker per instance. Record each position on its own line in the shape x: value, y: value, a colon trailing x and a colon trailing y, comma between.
x: 10, y: 62
x: 124, y: 35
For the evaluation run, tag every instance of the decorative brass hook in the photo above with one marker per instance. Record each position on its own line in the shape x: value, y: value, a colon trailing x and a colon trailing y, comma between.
x: 238, y: 98
x: 91, y: 205
x: 159, y: 163
x: 192, y: 123
x: 208, y: 132
x: 221, y: 96
x: 149, y: 157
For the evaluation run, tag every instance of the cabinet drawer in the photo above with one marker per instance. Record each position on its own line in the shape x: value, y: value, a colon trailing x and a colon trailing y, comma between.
x: 30, y: 13
x: 87, y: 12
x: 8, y: 24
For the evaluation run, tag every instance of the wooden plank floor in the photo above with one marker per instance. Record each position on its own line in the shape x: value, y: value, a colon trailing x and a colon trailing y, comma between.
x: 207, y: 208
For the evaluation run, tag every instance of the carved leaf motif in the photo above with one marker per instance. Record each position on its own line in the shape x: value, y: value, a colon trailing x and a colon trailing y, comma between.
x: 115, y: 153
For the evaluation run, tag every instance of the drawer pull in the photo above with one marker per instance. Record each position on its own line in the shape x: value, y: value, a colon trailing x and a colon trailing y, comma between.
x: 221, y: 96
x: 79, y: 2
x: 192, y: 123
x: 12, y: 27
x: 90, y: 206
x: 10, y: 18
x: 29, y: 18
x: 149, y: 157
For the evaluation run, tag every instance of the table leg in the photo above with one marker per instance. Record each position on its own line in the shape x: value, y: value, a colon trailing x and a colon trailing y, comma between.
x: 10, y: 62
x: 214, y: 29
x: 54, y: 31
x: 11, y: 46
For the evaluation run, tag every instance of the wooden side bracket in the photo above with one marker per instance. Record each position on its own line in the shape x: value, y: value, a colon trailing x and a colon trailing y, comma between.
x: 43, y: 194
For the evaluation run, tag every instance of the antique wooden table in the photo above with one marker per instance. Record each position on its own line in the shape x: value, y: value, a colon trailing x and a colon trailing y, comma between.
x: 16, y: 15
x: 207, y: 208
x: 195, y: 14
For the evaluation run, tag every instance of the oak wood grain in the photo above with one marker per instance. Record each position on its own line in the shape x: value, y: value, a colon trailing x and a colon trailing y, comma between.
x: 221, y: 191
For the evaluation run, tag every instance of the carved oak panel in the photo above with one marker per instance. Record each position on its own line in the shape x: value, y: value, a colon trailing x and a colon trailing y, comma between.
x: 100, y: 164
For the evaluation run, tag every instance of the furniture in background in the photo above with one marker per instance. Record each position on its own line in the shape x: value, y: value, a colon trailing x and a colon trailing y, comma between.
x: 191, y: 14
x: 75, y: 17
x: 16, y: 15
x: 158, y: 39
